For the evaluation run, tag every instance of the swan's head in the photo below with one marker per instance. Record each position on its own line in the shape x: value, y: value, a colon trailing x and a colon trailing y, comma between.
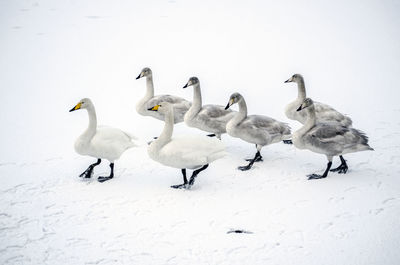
x: 295, y: 78
x: 307, y: 102
x: 163, y: 107
x: 82, y: 104
x: 145, y: 72
x: 235, y: 98
x: 192, y: 81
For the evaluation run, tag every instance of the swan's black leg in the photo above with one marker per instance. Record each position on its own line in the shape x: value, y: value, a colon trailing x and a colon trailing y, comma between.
x: 195, y: 173
x: 259, y: 159
x: 185, y: 181
x: 88, y: 172
x: 256, y: 157
x: 287, y: 142
x: 211, y: 135
x: 316, y: 176
x: 342, y: 169
x: 102, y: 179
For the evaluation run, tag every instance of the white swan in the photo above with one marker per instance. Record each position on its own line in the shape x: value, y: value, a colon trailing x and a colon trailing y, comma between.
x: 194, y: 152
x: 209, y: 118
x: 100, y: 142
x: 256, y: 129
x: 328, y: 138
x: 181, y: 105
x: 323, y: 111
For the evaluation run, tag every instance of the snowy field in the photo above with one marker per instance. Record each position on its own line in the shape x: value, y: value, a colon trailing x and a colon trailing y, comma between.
x: 53, y: 53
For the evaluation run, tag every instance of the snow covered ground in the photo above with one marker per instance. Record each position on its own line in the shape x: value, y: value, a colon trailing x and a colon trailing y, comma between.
x: 54, y: 53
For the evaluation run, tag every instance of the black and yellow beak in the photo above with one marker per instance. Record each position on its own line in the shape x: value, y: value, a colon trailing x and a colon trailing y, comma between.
x: 187, y: 84
x: 78, y: 106
x: 139, y: 76
x: 230, y: 103
x: 155, y: 108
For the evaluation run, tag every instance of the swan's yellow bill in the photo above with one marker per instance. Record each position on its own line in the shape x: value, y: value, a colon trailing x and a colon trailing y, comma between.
x: 78, y: 106
x: 155, y: 107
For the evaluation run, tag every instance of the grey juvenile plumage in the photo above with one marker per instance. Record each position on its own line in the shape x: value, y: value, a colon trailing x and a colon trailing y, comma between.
x: 256, y: 129
x: 209, y: 118
x: 181, y: 105
x: 323, y: 112
x: 328, y: 138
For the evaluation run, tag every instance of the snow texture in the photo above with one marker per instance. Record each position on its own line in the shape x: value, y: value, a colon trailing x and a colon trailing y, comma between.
x: 53, y: 53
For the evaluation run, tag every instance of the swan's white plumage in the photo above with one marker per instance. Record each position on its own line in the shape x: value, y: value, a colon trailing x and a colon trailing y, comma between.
x: 188, y: 152
x: 323, y: 112
x: 102, y: 141
x: 185, y: 151
x: 181, y: 105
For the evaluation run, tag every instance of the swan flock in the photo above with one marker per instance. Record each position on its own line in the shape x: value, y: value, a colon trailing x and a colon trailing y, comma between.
x: 324, y: 131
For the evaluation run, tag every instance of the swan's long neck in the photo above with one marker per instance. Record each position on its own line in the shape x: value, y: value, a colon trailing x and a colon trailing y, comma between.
x: 92, y: 128
x: 242, y: 114
x: 310, y: 122
x: 166, y: 134
x: 150, y: 87
x: 301, y: 90
x: 197, y: 103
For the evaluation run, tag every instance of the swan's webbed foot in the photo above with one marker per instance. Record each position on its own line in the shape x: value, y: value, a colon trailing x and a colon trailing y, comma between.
x: 342, y: 169
x: 287, y: 141
x: 188, y: 184
x: 315, y: 176
x: 103, y: 179
x: 87, y: 174
x: 244, y: 168
x: 211, y: 135
x: 258, y: 159
x: 181, y: 186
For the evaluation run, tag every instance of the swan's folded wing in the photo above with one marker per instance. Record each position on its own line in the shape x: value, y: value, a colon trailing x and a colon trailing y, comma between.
x: 196, y: 149
x: 214, y: 111
x: 326, y: 133
x: 166, y: 98
x: 108, y: 135
x: 327, y: 113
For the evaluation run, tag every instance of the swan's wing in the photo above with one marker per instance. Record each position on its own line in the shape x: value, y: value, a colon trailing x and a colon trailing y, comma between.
x: 259, y: 124
x: 325, y: 112
x: 328, y: 133
x: 178, y: 102
x: 196, y: 148
x: 321, y: 107
x: 111, y: 136
x: 214, y: 111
